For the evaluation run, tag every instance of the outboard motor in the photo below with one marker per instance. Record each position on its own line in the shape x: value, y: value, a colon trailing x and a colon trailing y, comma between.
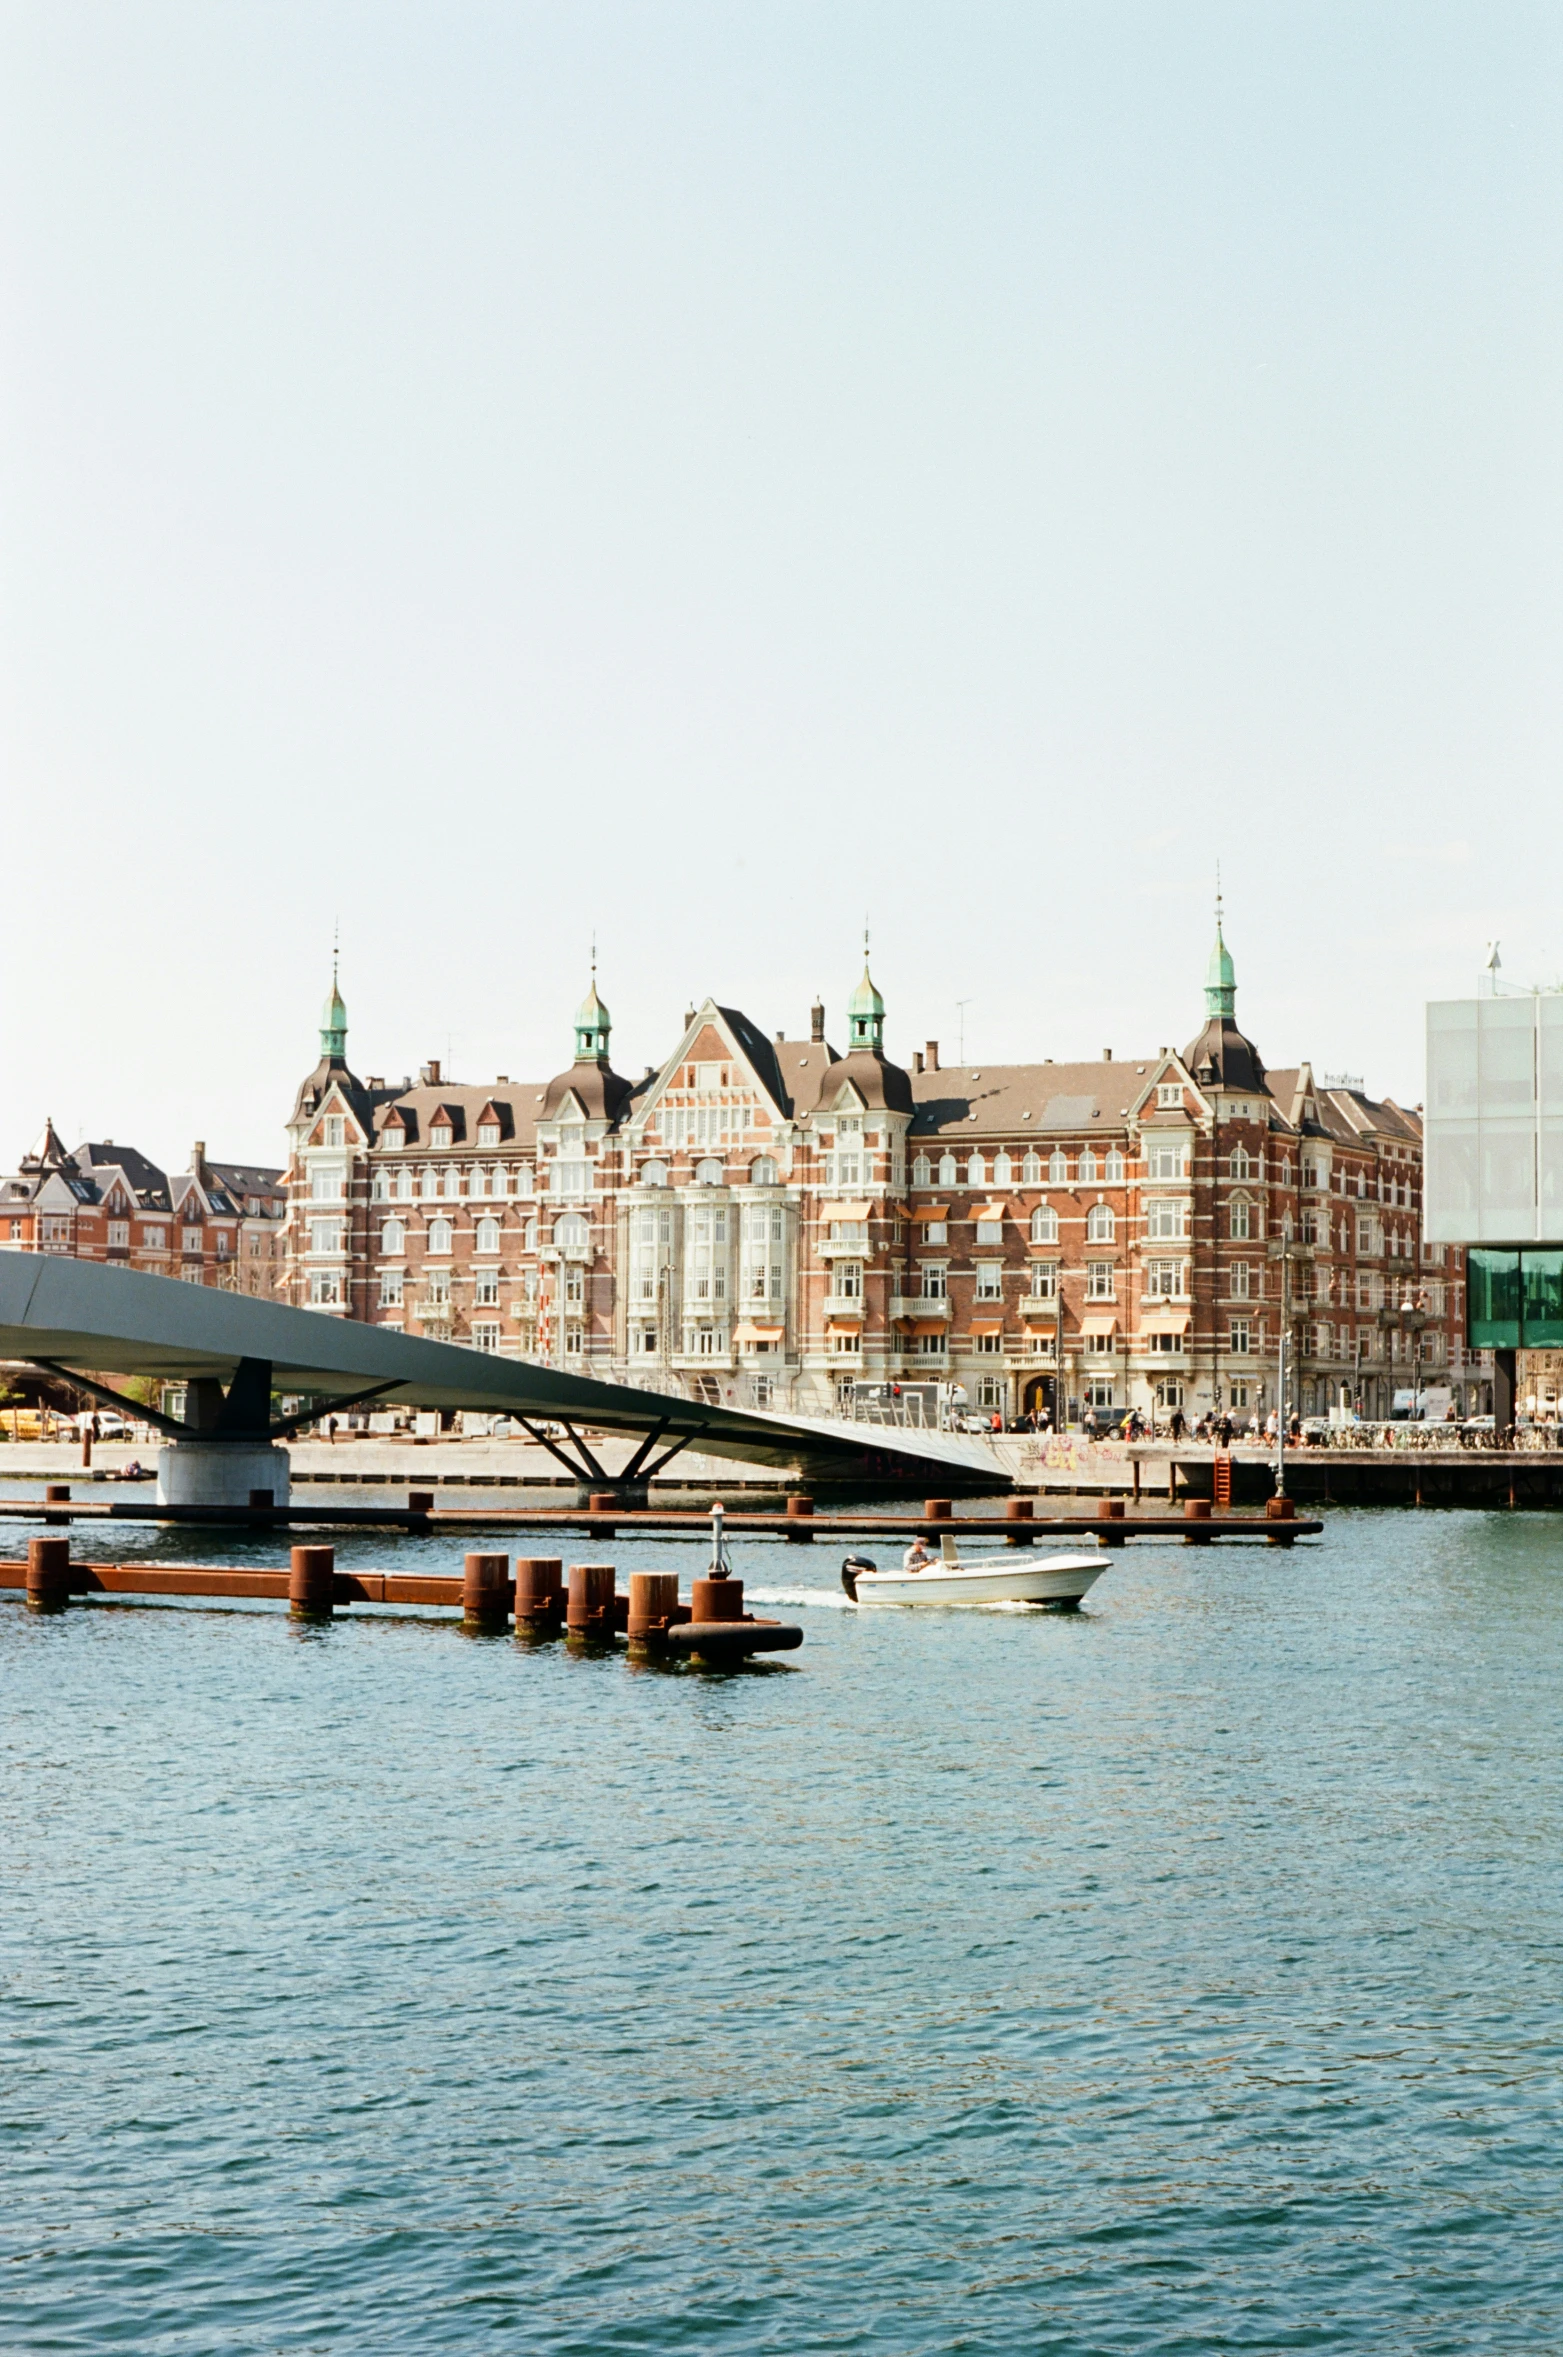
x: 851, y: 1565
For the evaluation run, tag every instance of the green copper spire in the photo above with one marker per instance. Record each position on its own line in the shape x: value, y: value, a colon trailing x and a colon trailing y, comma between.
x: 865, y: 1011
x: 333, y: 1021
x: 1220, y: 975
x: 592, y: 1023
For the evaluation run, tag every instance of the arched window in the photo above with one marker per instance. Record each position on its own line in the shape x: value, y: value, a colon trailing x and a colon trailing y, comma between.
x: 1099, y: 1224
x: 1003, y: 1169
x: 1239, y: 1219
x: 571, y: 1231
x: 488, y: 1235
x: 431, y: 1185
x: 922, y: 1172
x: 1114, y: 1168
x: 439, y: 1235
x: 709, y: 1174
x: 499, y: 1184
x: 976, y: 1171
x: 1058, y: 1169
x: 1239, y: 1165
x: 393, y: 1238
x: 529, y: 1236
x: 1087, y: 1168
x: 653, y: 1174
x: 762, y: 1172
x: 947, y: 1170
x: 524, y: 1182
x: 1031, y: 1169
x: 1044, y: 1224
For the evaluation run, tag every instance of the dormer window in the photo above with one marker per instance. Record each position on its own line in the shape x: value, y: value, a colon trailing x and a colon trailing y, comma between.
x: 1169, y: 1092
x: 392, y: 1140
x: 440, y: 1134
x: 333, y: 1130
x: 488, y: 1133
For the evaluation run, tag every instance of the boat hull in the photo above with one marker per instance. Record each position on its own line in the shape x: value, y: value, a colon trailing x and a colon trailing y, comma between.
x: 1055, y: 1579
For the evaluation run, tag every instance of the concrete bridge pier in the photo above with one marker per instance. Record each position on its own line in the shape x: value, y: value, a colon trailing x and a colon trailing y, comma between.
x: 220, y: 1472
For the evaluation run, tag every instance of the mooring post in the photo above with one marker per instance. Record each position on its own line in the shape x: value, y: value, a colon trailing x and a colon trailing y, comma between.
x: 485, y: 1591
x: 799, y: 1509
x: 1281, y: 1511
x: 311, y: 1582
x: 539, y: 1598
x: 420, y: 1501
x: 590, y: 1614
x: 1018, y: 1510
x: 937, y: 1510
x: 654, y: 1607
x: 1196, y: 1511
x: 1109, y: 1510
x: 57, y: 1493
x: 602, y: 1502
x: 48, y: 1575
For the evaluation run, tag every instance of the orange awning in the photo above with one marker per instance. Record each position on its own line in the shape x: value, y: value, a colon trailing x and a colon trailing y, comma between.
x: 990, y: 1211
x: 846, y: 1210
x: 932, y: 1211
x: 928, y: 1326
x: 987, y: 1325
x: 1106, y: 1323
x: 743, y: 1334
x: 1164, y: 1321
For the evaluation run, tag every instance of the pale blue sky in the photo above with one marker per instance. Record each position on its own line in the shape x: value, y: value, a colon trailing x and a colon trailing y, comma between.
x: 701, y: 472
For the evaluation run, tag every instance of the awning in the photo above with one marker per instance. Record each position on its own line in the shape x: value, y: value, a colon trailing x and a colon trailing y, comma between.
x: 844, y: 1325
x: 932, y: 1211
x: 928, y: 1326
x: 987, y: 1325
x: 990, y: 1210
x: 846, y: 1210
x: 749, y: 1334
x: 1105, y: 1323
x: 1164, y: 1321
x: 1040, y: 1313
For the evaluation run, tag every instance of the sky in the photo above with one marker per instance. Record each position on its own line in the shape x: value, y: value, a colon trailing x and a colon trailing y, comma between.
x: 708, y: 477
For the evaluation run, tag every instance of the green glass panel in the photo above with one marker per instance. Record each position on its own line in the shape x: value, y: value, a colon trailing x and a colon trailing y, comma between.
x: 1543, y: 1287
x: 1492, y: 1300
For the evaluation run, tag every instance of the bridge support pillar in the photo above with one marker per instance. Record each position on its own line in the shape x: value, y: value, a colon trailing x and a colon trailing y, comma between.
x: 220, y: 1472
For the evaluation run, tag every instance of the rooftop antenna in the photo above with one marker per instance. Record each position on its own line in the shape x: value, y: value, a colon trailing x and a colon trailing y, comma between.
x: 1491, y: 965
x: 961, y: 1005
x: 1218, y: 895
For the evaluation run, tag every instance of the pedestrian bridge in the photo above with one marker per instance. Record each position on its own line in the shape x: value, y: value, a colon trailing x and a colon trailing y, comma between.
x: 90, y: 1322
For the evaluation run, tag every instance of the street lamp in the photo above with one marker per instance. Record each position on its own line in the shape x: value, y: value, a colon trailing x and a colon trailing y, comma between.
x: 1283, y: 1250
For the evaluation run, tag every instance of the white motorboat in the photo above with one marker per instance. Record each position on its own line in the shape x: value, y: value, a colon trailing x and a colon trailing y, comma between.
x: 1010, y: 1578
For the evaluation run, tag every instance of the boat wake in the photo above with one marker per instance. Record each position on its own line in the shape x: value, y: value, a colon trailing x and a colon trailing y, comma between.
x: 826, y: 1597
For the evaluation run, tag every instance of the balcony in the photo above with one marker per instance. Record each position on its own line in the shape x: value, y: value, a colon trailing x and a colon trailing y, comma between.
x: 837, y: 1248
x: 850, y: 1304
x: 913, y: 1305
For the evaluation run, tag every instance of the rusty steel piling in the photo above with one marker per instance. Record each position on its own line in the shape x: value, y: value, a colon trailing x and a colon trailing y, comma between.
x: 312, y: 1583
x: 48, y: 1575
x: 485, y: 1592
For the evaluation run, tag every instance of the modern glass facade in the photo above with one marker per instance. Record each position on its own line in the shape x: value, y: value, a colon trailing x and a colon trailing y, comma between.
x: 1514, y: 1300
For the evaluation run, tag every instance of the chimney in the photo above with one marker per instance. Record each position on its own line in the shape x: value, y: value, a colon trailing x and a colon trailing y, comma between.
x: 817, y: 1021
x: 932, y: 1053
x: 430, y: 1074
x: 502, y: 1080
x: 198, y: 1161
x: 1107, y: 1055
x: 917, y: 1059
x: 689, y: 1016
x: 781, y: 1039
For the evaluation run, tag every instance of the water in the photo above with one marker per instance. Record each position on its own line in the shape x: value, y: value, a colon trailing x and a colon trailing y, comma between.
x: 1182, y: 1976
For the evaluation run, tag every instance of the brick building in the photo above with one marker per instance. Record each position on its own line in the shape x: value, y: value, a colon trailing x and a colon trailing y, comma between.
x: 217, y: 1223
x: 767, y: 1219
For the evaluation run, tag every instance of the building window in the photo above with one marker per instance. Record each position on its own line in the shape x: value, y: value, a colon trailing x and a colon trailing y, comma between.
x: 849, y: 1279
x: 574, y: 1342
x: 1169, y: 1092
x: 488, y: 1133
x: 929, y: 1346
x: 1101, y: 1346
x: 845, y: 1343
x: 325, y: 1289
x: 990, y: 1231
x: 1169, y: 1345
x: 1240, y: 1163
x: 440, y: 1135
x: 1169, y: 1392
x: 849, y: 1231
x: 1113, y: 1168
x: 391, y: 1288
x: 1099, y: 1392
x: 192, y: 1239
x: 431, y: 1185
x: 762, y: 1172
x: 155, y: 1239
x: 436, y: 1286
x: 1099, y: 1224
x: 570, y: 1178
x: 989, y: 1345
x: 653, y: 1174
x: 485, y: 1289
x: 1168, y: 1162
x: 1044, y: 1280
x: 1166, y: 1280
x: 935, y: 1281
x: 327, y: 1182
x: 440, y: 1234
x: 1370, y: 1238
x: 990, y: 1392
x: 56, y: 1231
x: 1031, y: 1169
x: 947, y: 1170
x: 325, y: 1235
x: 393, y: 1238
x: 922, y: 1175
x: 572, y: 1233
x: 485, y: 1334
x: 1087, y: 1168
x: 1099, y: 1280
x: 1240, y: 1219
x: 487, y: 1236
x: 575, y: 1286
x: 119, y: 1235
x: 710, y: 1173
x: 392, y: 1140
x: 1237, y: 1394
x: 1044, y: 1224
x: 936, y: 1231
x: 333, y: 1131
x: 1058, y: 1170
x: 990, y: 1281
x: 1240, y: 1339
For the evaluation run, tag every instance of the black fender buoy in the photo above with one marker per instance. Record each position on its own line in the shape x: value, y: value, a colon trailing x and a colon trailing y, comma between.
x: 851, y: 1565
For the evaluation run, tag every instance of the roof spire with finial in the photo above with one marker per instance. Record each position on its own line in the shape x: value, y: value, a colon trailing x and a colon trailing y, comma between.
x: 333, y: 1016
x: 592, y: 1022
x: 1220, y: 974
x: 865, y: 1012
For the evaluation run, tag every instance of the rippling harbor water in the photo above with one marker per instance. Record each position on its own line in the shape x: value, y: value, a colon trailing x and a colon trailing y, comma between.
x: 1181, y: 1975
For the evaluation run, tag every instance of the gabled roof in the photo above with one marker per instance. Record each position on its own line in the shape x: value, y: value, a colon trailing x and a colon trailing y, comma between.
x: 1020, y: 1100
x: 247, y: 1178
x: 412, y: 1110
x: 144, y: 1182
